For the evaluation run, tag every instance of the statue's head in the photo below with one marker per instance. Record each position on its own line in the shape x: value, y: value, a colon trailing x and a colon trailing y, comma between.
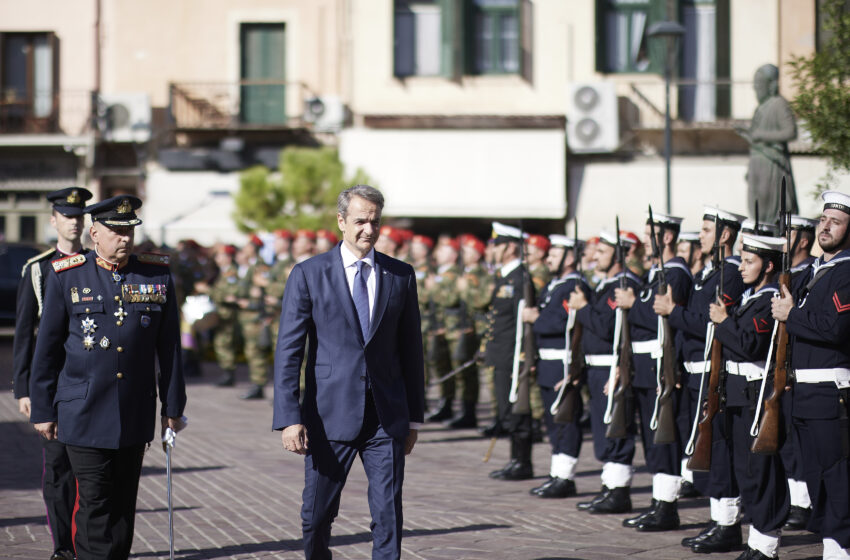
x: 766, y: 82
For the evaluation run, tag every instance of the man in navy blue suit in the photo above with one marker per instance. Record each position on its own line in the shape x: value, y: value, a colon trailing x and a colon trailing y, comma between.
x: 364, y: 379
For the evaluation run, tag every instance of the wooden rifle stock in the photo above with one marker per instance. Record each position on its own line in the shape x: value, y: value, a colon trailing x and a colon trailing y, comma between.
x: 566, y: 412
x: 622, y: 405
x: 767, y: 440
x: 701, y: 458
x: 665, y: 431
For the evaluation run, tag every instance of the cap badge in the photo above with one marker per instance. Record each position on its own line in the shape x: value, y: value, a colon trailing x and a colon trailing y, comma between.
x: 73, y: 198
x: 125, y: 207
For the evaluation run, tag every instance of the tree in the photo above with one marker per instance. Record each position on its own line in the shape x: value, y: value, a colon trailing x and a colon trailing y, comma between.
x: 302, y: 195
x: 822, y: 81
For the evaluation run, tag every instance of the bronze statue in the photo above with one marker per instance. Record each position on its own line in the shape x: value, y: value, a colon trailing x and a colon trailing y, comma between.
x: 772, y: 127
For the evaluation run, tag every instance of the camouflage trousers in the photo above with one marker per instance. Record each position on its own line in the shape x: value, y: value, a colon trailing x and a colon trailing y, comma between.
x: 224, y: 344
x: 256, y: 349
x: 465, y: 384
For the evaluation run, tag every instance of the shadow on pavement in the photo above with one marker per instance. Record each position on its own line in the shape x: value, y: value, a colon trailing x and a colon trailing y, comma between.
x: 295, y: 544
x: 150, y: 471
x: 21, y: 460
x: 13, y: 521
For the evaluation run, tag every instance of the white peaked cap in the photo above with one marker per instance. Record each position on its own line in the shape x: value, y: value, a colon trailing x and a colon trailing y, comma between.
x: 689, y: 236
x: 762, y: 243
x: 660, y: 218
x: 709, y: 212
x: 836, y: 200
x: 502, y: 230
x: 799, y: 222
x: 749, y: 225
x: 611, y: 239
x: 561, y: 241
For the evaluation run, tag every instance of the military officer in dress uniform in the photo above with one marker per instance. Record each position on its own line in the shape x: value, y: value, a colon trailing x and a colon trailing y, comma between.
x: 598, y: 319
x: 107, y: 314
x: 550, y: 320
x: 663, y: 460
x: 745, y: 331
x: 58, y: 485
x: 817, y: 317
x: 691, y: 321
x: 223, y: 294
x: 500, y: 349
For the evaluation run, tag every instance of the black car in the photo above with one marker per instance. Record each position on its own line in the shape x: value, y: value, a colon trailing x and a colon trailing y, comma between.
x: 13, y: 256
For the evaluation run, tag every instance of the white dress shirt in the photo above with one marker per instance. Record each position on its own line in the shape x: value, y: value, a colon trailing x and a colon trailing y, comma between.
x: 349, y: 261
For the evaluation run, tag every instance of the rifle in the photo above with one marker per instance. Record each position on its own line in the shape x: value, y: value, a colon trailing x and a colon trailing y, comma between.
x: 767, y: 434
x: 620, y: 410
x: 564, y: 408
x: 520, y: 396
x: 701, y: 457
x: 663, y: 418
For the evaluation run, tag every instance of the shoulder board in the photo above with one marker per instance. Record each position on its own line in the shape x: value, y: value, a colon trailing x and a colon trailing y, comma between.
x: 154, y: 258
x: 68, y: 263
x: 35, y: 259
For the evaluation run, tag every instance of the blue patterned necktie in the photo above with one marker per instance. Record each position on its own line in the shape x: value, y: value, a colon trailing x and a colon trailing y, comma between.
x: 361, y: 297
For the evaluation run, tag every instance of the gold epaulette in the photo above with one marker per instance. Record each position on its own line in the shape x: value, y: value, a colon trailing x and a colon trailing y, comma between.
x: 38, y: 257
x: 67, y: 263
x: 154, y: 258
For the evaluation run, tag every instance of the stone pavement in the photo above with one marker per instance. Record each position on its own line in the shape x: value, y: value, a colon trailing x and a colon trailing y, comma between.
x: 237, y: 494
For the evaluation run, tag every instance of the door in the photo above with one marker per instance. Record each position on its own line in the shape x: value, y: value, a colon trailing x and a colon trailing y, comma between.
x: 263, y: 99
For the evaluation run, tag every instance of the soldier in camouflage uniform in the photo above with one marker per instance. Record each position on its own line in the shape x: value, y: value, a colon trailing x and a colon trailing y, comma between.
x: 251, y: 301
x: 420, y: 252
x: 537, y: 247
x: 223, y: 294
x: 278, y: 273
x: 444, y: 314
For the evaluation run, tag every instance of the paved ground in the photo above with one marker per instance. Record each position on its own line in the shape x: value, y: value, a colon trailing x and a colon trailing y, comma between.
x: 237, y: 495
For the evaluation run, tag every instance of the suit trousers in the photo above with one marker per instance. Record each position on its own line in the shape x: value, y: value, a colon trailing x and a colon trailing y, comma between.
x: 326, y: 467
x: 59, y: 488
x: 107, y: 481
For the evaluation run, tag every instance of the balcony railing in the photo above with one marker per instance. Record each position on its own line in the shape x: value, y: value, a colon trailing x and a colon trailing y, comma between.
x: 63, y: 112
x: 258, y: 104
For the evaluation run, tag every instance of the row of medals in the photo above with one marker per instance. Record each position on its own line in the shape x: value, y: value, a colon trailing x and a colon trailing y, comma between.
x: 88, y: 325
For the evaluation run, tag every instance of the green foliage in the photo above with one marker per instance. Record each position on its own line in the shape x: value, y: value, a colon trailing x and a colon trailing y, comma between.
x: 823, y: 90
x: 302, y: 195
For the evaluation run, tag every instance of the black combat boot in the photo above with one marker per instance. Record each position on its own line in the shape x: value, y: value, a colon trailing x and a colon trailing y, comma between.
x: 710, y: 528
x: 603, y: 494
x: 254, y: 393
x: 466, y: 419
x: 227, y: 379
x: 522, y: 469
x: 557, y: 488
x: 632, y: 522
x: 619, y: 500
x: 665, y: 517
x: 443, y: 411
x: 723, y: 539
x: 688, y: 490
x: 798, y: 518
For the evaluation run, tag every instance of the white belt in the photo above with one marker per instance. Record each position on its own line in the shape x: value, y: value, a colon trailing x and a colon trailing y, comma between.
x: 552, y: 353
x: 603, y: 360
x: 751, y: 370
x: 651, y: 347
x: 696, y: 367
x: 839, y: 376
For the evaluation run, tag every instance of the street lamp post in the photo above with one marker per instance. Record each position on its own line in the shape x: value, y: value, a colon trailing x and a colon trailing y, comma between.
x: 670, y: 31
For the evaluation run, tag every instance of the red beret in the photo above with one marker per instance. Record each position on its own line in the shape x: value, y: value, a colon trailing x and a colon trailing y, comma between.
x: 424, y: 239
x: 256, y: 241
x: 538, y: 241
x: 327, y: 234
x: 283, y: 233
x: 309, y: 234
x: 469, y: 240
x: 392, y: 233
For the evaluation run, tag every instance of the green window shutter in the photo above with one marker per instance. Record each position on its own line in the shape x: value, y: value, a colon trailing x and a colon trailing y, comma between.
x: 526, y: 38
x: 600, y: 36
x: 450, y: 38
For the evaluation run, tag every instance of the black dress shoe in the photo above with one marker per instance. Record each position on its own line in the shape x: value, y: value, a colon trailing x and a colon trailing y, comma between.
x: 688, y: 541
x: 500, y: 473
x: 723, y: 539
x: 466, y: 419
x: 443, y: 411
x: 632, y: 522
x: 753, y: 554
x: 557, y: 488
x: 62, y: 554
x: 254, y: 393
x: 798, y: 518
x: 534, y: 491
x: 688, y: 490
x: 603, y: 494
x: 521, y: 470
x: 665, y: 517
x: 619, y: 500
x: 226, y: 380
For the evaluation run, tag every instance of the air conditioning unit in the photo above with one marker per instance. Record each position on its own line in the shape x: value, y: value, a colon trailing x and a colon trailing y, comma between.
x: 125, y: 117
x: 592, y: 123
x: 326, y: 113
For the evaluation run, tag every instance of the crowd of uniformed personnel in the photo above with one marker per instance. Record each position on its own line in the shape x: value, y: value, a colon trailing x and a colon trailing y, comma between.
x: 578, y: 301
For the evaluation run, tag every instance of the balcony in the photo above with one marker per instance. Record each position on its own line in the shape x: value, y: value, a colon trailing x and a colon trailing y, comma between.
x: 245, y: 105
x: 65, y: 113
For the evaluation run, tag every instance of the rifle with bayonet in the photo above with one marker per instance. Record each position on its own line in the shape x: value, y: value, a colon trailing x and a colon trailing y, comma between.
x: 564, y: 408
x: 520, y: 394
x: 701, y: 457
x: 767, y: 440
x: 620, y: 406
x: 664, y: 420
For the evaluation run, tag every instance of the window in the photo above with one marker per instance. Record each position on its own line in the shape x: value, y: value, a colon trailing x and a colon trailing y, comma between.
x: 263, y: 71
x: 496, y: 36
x: 28, y: 80
x: 27, y: 229
x: 621, y: 35
x: 417, y: 38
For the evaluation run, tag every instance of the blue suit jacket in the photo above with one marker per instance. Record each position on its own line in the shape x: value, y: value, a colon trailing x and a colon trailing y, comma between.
x: 318, y: 308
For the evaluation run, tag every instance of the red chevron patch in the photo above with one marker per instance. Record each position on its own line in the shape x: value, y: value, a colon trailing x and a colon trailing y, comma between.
x: 612, y: 303
x: 840, y: 307
x: 727, y: 301
x: 566, y: 305
x: 761, y: 325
